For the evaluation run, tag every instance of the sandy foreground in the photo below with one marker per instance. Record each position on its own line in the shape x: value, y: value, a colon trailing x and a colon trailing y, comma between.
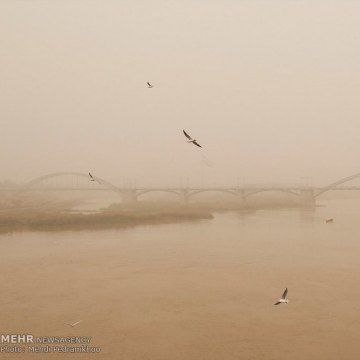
x: 188, y: 291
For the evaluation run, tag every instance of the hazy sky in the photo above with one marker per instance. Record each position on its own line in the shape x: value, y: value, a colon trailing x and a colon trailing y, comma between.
x: 270, y: 88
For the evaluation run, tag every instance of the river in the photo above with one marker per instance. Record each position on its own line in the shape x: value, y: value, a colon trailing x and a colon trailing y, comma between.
x: 192, y: 290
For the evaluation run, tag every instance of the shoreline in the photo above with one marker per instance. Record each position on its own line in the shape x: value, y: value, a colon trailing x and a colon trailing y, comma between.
x: 61, y: 220
x: 118, y: 216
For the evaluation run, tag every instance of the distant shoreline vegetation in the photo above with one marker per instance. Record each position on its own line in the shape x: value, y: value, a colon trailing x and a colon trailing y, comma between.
x: 50, y: 216
x: 61, y: 220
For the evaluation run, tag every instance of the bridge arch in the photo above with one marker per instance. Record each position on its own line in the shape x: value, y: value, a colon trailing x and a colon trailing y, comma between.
x: 195, y: 192
x: 336, y: 183
x: 270, y: 190
x: 142, y: 192
x: 106, y: 184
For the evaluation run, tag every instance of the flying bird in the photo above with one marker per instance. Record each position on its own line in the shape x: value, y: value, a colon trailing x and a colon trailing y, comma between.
x: 283, y: 299
x: 191, y: 140
x: 329, y: 221
x: 74, y: 324
x: 149, y: 85
x: 93, y: 179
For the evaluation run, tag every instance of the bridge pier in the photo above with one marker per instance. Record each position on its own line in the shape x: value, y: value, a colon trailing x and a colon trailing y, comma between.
x: 307, y: 197
x: 241, y: 195
x: 184, y: 196
x: 128, y: 196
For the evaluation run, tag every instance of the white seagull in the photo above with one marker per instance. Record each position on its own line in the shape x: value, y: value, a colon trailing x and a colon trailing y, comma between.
x: 283, y: 299
x: 191, y: 140
x: 149, y: 85
x: 74, y: 324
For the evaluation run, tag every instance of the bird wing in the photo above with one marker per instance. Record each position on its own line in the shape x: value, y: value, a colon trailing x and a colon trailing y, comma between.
x: 195, y: 143
x: 277, y: 303
x: 149, y: 84
x: 75, y: 323
x: 187, y: 135
x: 90, y: 175
x: 284, y: 294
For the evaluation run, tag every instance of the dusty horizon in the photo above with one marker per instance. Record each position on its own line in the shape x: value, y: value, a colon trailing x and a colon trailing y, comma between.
x: 270, y: 89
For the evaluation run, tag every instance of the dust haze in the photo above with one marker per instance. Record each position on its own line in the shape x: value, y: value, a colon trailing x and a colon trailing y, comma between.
x: 268, y: 87
x: 116, y: 233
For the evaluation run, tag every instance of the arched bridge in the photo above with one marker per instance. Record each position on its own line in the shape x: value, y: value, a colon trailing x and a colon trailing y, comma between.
x: 72, y: 181
x: 45, y: 183
x: 335, y: 185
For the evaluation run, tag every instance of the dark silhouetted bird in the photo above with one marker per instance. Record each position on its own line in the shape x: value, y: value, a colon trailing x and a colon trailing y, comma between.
x: 191, y: 140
